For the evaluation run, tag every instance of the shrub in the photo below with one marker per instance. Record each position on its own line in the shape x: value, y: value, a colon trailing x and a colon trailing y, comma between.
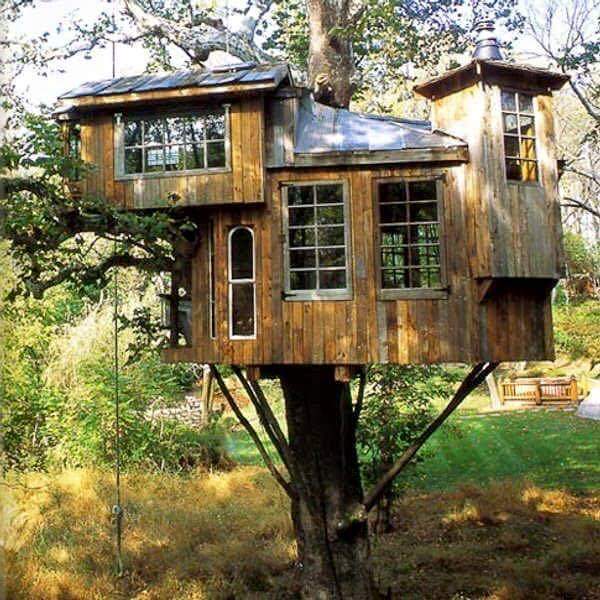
x: 577, y: 330
x: 398, y: 407
x: 57, y: 376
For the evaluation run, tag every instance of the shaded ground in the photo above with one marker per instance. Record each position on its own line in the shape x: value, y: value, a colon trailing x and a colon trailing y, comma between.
x: 227, y: 535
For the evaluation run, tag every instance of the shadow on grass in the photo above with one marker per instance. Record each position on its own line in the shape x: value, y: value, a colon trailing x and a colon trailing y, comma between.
x: 228, y: 535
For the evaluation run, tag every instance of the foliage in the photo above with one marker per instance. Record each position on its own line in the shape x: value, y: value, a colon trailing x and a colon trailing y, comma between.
x: 56, y: 236
x: 398, y: 406
x: 577, y: 330
x: 228, y: 535
x: 392, y: 40
x: 583, y: 257
x: 58, y: 389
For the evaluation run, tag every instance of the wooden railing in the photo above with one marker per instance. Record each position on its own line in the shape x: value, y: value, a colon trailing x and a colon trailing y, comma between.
x: 539, y: 390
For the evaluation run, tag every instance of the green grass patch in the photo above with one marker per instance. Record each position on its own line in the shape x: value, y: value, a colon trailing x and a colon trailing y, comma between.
x: 550, y: 448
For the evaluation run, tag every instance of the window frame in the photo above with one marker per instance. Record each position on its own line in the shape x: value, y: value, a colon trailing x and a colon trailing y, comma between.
x: 119, y: 141
x: 231, y: 282
x: 316, y: 295
x: 422, y: 293
x: 538, y: 181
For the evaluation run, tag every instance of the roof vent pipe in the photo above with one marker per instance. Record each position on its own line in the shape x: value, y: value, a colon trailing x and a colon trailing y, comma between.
x: 487, y: 46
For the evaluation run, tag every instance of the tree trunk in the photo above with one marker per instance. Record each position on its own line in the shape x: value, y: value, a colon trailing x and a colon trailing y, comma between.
x: 331, y: 60
x: 329, y: 521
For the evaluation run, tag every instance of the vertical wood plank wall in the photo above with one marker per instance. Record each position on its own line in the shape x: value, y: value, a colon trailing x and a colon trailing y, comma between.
x: 515, y: 325
x: 517, y: 226
x: 244, y: 183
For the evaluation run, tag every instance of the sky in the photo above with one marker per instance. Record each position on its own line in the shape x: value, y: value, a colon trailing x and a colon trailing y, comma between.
x: 130, y: 59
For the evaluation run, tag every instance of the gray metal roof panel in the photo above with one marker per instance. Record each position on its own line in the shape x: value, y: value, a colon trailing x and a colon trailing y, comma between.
x: 172, y: 80
x: 322, y: 129
x: 89, y: 88
x: 122, y: 85
x: 245, y: 73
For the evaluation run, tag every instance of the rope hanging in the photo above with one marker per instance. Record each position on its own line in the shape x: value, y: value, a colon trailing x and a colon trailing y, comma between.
x: 117, y: 510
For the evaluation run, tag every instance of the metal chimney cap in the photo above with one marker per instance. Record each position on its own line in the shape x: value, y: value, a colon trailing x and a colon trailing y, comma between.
x: 487, y: 46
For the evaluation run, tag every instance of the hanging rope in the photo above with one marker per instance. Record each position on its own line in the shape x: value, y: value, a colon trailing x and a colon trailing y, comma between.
x: 117, y: 510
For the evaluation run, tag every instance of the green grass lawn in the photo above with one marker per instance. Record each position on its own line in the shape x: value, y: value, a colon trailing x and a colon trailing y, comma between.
x: 549, y: 448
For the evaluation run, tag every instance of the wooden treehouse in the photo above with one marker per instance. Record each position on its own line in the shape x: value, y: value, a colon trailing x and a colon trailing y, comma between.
x: 338, y: 238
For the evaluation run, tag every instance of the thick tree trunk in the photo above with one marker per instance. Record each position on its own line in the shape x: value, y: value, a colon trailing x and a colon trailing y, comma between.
x: 330, y: 525
x: 331, y: 60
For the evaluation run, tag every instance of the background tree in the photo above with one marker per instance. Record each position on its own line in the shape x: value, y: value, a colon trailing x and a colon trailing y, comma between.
x: 567, y: 35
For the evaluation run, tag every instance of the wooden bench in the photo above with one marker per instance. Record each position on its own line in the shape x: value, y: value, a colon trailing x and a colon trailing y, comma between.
x: 540, y: 389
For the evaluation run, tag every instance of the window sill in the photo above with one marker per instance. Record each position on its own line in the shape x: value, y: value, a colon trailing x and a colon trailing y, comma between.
x: 414, y: 294
x: 314, y: 297
x: 531, y: 184
x: 165, y: 174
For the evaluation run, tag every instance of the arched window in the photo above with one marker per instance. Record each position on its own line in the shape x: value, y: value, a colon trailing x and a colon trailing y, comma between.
x: 242, y: 283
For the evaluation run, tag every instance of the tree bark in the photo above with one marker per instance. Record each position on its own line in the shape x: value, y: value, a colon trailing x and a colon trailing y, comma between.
x: 329, y: 521
x: 331, y: 61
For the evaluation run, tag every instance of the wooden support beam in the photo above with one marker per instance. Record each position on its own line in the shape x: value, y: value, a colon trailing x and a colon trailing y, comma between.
x: 345, y: 373
x: 253, y: 372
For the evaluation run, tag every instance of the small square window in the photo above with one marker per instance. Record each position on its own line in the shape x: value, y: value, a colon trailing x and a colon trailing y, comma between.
x: 175, y: 143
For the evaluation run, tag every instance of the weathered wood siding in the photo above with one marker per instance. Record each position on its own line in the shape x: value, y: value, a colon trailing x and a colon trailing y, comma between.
x: 514, y: 228
x: 513, y: 325
x: 243, y: 183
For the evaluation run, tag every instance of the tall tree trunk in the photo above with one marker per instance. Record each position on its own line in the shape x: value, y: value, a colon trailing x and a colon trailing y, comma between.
x: 329, y: 522
x: 331, y: 60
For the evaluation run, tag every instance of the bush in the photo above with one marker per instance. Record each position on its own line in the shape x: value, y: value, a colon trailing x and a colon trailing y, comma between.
x: 58, y: 390
x: 577, y: 330
x: 398, y: 407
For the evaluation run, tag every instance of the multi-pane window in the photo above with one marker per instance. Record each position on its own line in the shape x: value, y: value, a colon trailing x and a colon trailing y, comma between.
x: 316, y: 240
x: 519, y: 136
x: 409, y: 235
x: 242, y: 282
x: 161, y: 144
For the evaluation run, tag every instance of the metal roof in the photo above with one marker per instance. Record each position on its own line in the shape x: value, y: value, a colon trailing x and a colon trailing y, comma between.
x: 323, y: 129
x: 240, y: 74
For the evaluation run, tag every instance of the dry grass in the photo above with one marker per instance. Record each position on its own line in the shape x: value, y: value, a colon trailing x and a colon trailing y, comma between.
x: 216, y: 535
x: 227, y: 535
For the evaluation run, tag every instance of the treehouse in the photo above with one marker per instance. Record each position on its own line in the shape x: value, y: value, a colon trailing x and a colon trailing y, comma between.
x: 333, y: 237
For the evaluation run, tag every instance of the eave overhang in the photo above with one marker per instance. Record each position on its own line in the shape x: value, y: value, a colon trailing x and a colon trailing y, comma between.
x: 494, y: 71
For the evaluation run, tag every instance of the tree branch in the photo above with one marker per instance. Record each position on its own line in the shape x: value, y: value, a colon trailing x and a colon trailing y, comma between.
x: 267, y: 418
x: 206, y: 36
x: 91, y: 275
x: 252, y: 433
x: 471, y: 381
x: 575, y: 203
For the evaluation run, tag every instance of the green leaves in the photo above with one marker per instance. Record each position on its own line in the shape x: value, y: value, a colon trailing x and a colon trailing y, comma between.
x: 398, y: 406
x: 57, y: 236
x: 393, y: 40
